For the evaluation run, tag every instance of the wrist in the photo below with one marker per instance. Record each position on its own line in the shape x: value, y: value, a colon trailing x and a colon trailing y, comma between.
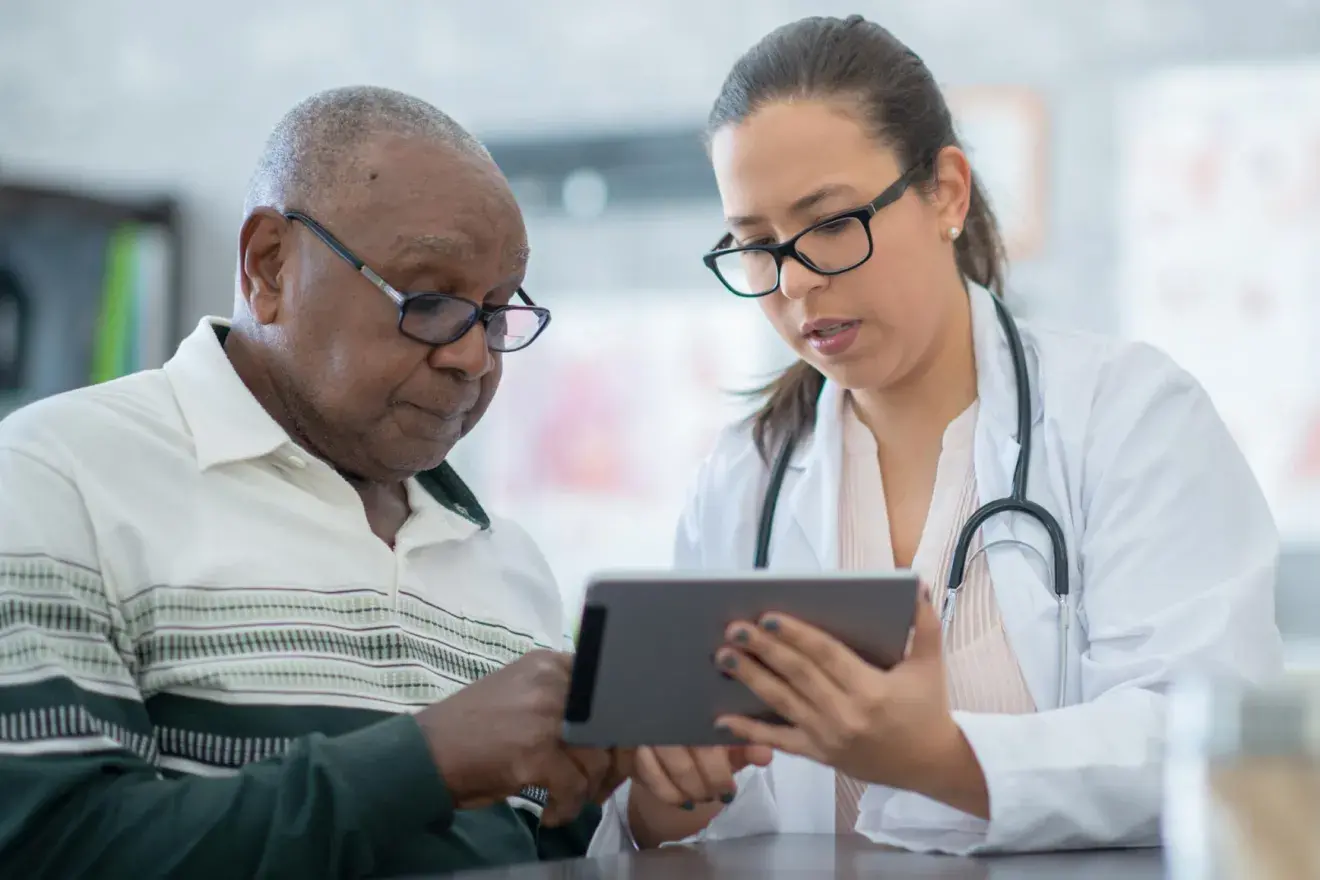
x: 953, y: 774
x: 448, y: 758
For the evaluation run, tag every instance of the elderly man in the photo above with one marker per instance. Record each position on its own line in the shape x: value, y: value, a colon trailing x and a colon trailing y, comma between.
x: 251, y: 624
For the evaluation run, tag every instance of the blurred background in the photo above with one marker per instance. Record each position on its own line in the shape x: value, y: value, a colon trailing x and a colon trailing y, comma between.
x: 1156, y: 164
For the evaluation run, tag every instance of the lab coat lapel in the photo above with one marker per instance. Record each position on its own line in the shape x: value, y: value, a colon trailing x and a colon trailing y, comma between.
x: 1023, y: 588
x: 806, y: 539
x: 812, y: 501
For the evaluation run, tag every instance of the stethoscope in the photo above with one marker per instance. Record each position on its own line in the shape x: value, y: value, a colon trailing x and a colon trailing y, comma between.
x: 1017, y: 502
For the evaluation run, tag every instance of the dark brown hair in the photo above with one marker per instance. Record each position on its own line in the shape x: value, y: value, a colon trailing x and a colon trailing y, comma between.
x: 856, y: 61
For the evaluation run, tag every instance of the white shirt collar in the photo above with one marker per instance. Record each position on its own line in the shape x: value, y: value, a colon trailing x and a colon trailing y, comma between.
x: 226, y: 422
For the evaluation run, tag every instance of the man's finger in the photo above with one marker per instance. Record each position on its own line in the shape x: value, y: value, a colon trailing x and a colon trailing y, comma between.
x: 605, y: 769
x: 593, y: 763
x: 568, y: 787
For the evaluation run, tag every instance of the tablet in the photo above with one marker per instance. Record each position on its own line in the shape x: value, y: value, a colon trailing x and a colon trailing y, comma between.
x: 644, y: 672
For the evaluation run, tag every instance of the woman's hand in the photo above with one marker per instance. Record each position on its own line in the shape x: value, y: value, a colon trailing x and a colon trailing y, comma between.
x: 685, y: 777
x: 678, y: 790
x: 891, y: 728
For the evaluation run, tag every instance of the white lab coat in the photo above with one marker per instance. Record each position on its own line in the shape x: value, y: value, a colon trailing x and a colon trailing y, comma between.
x: 1171, y: 551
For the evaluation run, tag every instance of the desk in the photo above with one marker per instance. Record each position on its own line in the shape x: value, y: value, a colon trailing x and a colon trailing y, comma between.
x: 804, y: 855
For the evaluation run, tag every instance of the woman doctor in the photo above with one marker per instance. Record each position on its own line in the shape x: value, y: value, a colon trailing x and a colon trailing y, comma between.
x: 906, y: 408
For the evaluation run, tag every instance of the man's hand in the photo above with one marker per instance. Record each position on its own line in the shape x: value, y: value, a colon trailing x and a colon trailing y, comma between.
x: 502, y: 732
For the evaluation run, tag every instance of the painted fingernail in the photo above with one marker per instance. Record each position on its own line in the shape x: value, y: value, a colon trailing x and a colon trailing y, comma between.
x: 728, y: 661
x: 741, y: 636
x: 726, y: 798
x: 689, y: 806
x: 770, y: 624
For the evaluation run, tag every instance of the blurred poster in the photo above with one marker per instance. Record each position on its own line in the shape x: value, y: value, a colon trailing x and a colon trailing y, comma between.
x: 594, y: 440
x: 1005, y: 132
x: 1219, y: 227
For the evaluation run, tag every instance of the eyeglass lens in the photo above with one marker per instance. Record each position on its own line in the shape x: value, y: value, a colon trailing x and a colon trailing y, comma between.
x: 835, y: 246
x: 440, y: 320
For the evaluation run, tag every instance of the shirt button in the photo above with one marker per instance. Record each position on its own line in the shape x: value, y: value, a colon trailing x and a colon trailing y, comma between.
x: 297, y: 461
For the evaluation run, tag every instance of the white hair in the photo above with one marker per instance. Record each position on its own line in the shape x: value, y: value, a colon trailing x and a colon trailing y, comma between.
x: 313, y: 147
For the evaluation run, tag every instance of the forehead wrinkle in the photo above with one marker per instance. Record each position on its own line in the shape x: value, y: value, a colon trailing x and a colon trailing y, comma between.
x: 418, y: 248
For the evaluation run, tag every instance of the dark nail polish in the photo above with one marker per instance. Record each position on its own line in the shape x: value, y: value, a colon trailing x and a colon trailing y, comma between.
x: 729, y: 661
x: 726, y: 798
x: 741, y: 636
x: 689, y: 806
x: 770, y: 625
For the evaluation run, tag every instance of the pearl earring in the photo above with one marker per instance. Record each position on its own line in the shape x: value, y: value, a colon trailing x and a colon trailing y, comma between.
x: 954, y: 232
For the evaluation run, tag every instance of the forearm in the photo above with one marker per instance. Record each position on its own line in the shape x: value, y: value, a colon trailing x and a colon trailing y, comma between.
x: 323, y: 809
x: 654, y: 822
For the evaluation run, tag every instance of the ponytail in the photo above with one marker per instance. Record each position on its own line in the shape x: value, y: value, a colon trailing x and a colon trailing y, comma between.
x: 980, y: 249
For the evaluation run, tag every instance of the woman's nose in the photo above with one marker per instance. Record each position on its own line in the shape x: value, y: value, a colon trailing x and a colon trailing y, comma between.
x: 796, y: 280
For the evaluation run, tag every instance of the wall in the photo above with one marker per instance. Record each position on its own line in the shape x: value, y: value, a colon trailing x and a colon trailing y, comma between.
x: 168, y: 95
x: 164, y: 95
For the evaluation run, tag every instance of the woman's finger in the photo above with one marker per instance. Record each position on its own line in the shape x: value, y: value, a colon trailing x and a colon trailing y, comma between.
x: 802, y: 672
x: 759, y: 734
x: 717, y: 772
x: 833, y: 659
x: 744, y: 755
x: 679, y: 766
x: 774, y: 691
x: 648, y: 770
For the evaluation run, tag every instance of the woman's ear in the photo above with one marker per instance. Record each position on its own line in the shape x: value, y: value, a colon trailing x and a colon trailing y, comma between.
x: 953, y: 191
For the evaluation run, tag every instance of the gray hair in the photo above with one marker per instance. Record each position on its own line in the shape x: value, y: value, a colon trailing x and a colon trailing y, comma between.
x: 312, y: 148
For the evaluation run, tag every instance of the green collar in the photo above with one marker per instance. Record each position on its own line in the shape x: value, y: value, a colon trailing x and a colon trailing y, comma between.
x: 442, y: 483
x: 447, y: 487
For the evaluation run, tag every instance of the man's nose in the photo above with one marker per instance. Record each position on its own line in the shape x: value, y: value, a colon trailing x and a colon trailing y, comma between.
x: 469, y: 354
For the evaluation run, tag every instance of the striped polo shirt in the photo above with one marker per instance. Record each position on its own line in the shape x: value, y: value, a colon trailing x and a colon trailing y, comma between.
x: 193, y: 604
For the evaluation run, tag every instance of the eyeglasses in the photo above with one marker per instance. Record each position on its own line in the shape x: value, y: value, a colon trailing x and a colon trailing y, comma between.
x: 832, y: 246
x: 442, y: 318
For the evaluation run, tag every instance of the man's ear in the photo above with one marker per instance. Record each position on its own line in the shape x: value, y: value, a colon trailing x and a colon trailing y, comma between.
x: 262, y: 248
